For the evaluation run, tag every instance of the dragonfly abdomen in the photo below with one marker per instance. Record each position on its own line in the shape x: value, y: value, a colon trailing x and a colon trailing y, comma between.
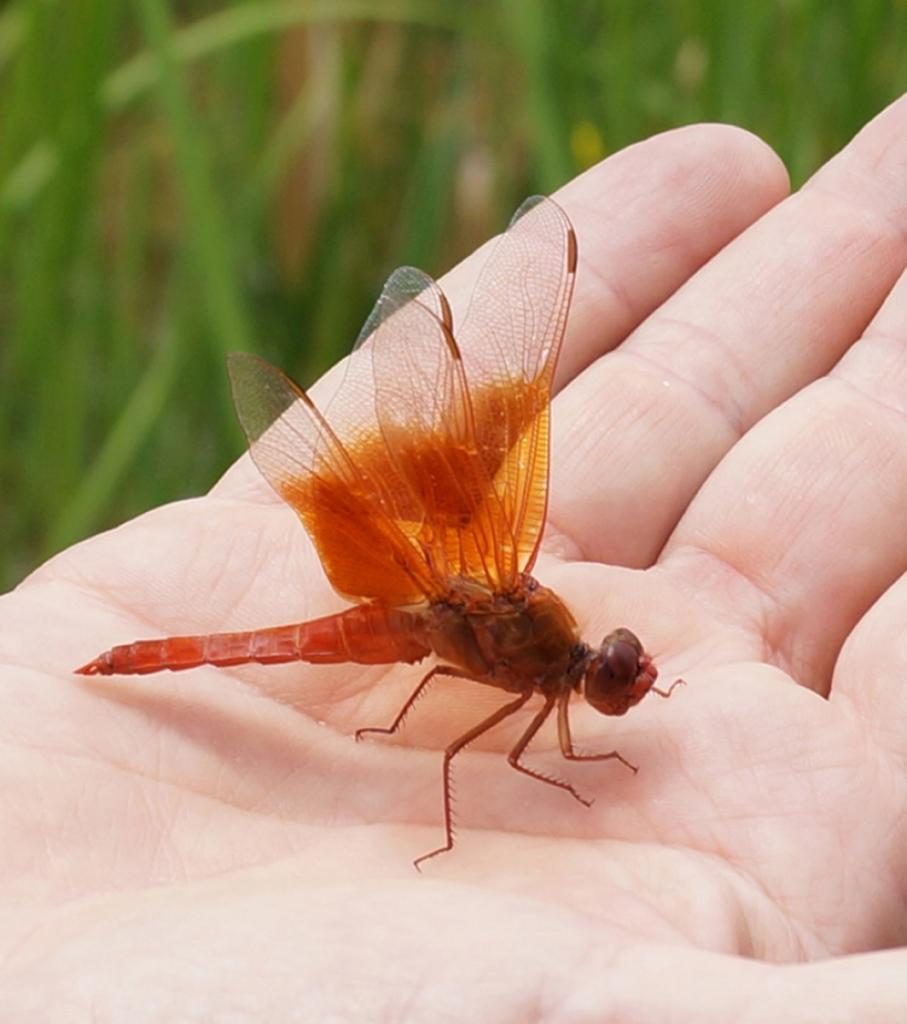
x: 368, y: 634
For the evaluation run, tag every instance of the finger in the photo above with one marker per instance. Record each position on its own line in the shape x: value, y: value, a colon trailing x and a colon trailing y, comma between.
x: 639, y: 431
x: 802, y: 526
x: 870, y: 676
x: 870, y: 671
x: 645, y: 219
x: 649, y: 217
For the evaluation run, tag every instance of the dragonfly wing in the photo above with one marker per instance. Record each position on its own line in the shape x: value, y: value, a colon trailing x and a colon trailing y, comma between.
x: 362, y: 548
x: 405, y: 284
x: 466, y: 420
x: 510, y: 340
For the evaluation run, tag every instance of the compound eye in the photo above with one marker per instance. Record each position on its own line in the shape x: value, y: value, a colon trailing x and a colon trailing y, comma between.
x: 620, y: 660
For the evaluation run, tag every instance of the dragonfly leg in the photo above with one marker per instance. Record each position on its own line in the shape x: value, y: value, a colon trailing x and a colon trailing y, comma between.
x: 438, y: 670
x: 670, y: 689
x: 488, y: 723
x: 566, y: 740
x: 514, y: 756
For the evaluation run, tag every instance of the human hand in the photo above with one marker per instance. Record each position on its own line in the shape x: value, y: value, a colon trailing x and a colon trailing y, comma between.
x: 214, y: 841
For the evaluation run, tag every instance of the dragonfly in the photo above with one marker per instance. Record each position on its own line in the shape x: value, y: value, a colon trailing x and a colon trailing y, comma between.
x: 424, y: 488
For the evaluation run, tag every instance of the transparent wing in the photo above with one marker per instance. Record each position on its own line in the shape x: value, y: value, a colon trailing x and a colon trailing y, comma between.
x: 364, y: 552
x: 426, y: 418
x: 510, y: 340
x: 405, y: 284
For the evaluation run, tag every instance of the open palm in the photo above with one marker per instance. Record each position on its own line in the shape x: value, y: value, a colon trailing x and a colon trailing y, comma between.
x: 729, y: 479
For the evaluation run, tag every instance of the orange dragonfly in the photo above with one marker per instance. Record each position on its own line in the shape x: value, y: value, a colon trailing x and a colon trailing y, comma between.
x: 424, y: 489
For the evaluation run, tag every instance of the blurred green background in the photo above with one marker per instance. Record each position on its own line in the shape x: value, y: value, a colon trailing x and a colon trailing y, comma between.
x: 178, y: 180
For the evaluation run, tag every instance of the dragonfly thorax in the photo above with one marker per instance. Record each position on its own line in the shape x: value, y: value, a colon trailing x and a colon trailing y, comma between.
x: 522, y: 640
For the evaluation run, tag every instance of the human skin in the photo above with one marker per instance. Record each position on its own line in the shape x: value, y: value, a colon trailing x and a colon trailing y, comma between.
x: 729, y: 480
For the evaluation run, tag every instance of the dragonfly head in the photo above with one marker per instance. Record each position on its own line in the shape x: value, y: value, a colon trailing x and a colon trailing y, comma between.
x: 619, y: 674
